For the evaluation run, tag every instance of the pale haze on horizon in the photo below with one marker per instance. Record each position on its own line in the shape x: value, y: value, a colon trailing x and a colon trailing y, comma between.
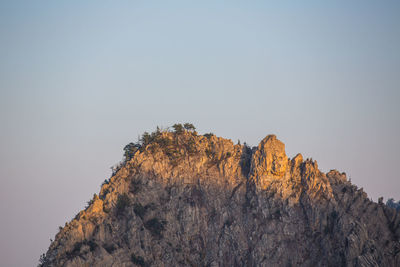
x: 78, y: 81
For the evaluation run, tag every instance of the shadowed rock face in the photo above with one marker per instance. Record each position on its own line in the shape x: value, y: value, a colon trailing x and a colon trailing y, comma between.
x: 191, y: 200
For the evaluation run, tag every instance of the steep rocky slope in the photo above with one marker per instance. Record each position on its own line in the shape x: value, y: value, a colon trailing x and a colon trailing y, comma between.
x: 183, y: 199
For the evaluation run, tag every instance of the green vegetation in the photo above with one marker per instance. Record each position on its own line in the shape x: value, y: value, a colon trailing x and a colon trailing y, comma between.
x: 130, y: 150
x: 178, y: 128
x: 77, y: 247
x: 138, y: 260
x: 214, y: 159
x: 212, y: 155
x: 191, y: 147
x: 155, y: 226
x: 136, y: 185
x: 92, y: 245
x: 156, y: 137
x: 208, y: 135
x: 189, y: 127
x: 139, y: 210
x: 75, y: 251
x: 122, y: 203
x: 109, y: 248
x: 174, y: 146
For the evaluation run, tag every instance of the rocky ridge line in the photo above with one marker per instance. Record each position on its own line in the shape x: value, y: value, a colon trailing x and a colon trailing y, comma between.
x: 187, y: 199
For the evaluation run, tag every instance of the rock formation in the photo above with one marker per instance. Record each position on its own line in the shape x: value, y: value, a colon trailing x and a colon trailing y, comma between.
x: 184, y: 199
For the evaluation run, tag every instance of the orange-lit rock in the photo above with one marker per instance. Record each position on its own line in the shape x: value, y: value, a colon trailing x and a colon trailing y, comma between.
x: 191, y: 200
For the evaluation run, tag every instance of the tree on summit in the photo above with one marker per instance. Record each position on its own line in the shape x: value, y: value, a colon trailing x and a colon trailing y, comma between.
x: 129, y: 150
x: 178, y: 128
x: 189, y: 127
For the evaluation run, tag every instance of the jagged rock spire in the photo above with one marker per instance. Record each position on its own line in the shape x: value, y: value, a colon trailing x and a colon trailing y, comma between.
x: 269, y: 160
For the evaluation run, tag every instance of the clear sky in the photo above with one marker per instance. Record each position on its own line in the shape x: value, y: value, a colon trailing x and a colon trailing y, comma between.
x: 79, y: 80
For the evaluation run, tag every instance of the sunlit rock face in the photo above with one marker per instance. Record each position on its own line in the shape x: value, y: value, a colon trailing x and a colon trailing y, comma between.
x: 269, y: 161
x: 190, y: 200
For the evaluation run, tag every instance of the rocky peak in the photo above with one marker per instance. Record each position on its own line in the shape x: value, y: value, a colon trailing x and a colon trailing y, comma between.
x: 181, y: 157
x: 269, y: 161
x: 181, y: 199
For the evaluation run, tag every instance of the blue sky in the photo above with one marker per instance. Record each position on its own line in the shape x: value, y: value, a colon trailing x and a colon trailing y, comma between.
x: 79, y: 80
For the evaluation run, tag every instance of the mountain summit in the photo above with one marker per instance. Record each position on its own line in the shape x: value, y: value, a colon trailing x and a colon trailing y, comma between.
x: 184, y: 199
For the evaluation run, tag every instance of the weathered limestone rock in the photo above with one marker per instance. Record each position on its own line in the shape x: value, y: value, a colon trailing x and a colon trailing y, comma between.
x: 269, y: 162
x: 190, y: 200
x: 270, y: 158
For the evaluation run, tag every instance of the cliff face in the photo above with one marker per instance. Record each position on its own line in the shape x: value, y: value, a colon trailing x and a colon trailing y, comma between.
x: 190, y: 200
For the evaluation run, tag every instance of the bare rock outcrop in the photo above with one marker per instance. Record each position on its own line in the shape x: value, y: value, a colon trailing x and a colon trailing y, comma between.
x: 269, y: 161
x: 184, y: 199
